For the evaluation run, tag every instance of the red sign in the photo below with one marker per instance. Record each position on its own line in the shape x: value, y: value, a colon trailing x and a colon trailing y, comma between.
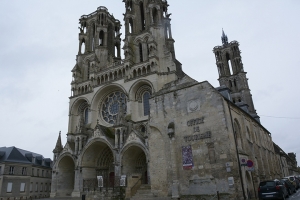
x: 249, y: 163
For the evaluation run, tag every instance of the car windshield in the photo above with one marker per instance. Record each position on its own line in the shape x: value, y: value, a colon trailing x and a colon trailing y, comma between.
x: 267, y: 183
x: 292, y: 178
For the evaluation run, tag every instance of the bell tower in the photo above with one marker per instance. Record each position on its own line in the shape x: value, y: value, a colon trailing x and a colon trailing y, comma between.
x: 148, y: 36
x: 232, y: 74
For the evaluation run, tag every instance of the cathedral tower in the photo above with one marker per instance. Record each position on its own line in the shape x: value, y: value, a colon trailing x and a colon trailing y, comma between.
x: 232, y: 74
x: 109, y: 109
x: 148, y: 36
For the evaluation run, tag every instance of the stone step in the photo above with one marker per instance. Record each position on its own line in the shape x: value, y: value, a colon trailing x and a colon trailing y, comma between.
x: 63, y: 198
x: 144, y: 193
x: 150, y: 198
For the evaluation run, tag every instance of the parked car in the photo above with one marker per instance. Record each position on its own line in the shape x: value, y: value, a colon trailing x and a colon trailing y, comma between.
x: 272, y: 189
x: 294, y: 180
x: 289, y: 186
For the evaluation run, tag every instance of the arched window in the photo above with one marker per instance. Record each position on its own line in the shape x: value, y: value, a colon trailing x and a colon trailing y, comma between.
x: 93, y: 37
x: 101, y: 38
x: 141, y: 52
x: 117, y: 50
x: 237, y: 133
x: 130, y: 25
x: 82, y: 50
x: 155, y: 16
x: 142, y: 15
x: 146, y: 97
x: 88, y: 71
x: 229, y: 63
x: 86, y: 115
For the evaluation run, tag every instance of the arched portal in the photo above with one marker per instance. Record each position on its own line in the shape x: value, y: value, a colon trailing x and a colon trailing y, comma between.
x: 98, y: 160
x: 65, y: 182
x: 134, y: 161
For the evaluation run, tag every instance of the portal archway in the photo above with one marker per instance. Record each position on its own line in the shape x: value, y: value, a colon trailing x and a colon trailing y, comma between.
x: 98, y: 160
x: 134, y: 161
x: 65, y: 182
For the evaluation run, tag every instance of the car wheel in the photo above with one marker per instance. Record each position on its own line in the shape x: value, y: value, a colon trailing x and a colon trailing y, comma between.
x: 295, y: 190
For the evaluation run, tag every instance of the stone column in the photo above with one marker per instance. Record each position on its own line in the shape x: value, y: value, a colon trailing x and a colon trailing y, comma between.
x: 76, y: 146
x: 80, y: 145
x: 121, y: 138
x: 77, y: 183
x: 116, y: 138
x: 117, y: 164
x: 175, y: 185
x: 53, y: 185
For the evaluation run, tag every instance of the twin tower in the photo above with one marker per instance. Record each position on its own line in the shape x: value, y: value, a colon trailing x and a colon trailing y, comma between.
x: 100, y: 48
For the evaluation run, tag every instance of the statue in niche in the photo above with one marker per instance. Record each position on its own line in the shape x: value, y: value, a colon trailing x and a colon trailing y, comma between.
x: 121, y: 115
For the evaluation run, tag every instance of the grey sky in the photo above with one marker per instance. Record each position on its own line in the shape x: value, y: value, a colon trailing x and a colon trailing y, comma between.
x: 39, y: 43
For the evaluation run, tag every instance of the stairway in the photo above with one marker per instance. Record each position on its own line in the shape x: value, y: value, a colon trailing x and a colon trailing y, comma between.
x: 144, y: 193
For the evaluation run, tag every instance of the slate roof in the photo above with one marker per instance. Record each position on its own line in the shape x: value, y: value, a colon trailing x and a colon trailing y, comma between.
x: 13, y: 154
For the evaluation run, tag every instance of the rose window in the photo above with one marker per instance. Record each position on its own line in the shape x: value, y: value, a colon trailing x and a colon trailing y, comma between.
x: 111, y: 105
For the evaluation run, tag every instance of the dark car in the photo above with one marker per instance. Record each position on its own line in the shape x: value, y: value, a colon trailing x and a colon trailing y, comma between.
x: 273, y: 189
x: 294, y: 181
x: 289, y: 186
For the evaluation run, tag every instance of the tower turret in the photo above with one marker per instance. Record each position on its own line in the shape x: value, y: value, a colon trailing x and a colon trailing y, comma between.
x: 232, y: 75
x: 58, y: 147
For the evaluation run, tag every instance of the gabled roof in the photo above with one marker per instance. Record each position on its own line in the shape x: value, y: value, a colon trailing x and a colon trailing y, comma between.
x: 13, y: 154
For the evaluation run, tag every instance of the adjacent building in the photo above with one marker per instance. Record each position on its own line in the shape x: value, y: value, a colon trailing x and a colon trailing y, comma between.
x: 142, y: 123
x: 24, y: 174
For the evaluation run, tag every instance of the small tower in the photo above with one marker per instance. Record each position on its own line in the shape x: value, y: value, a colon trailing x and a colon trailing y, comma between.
x: 58, y: 147
x: 232, y: 75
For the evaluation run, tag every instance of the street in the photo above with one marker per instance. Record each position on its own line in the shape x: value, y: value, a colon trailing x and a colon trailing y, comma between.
x: 295, y: 196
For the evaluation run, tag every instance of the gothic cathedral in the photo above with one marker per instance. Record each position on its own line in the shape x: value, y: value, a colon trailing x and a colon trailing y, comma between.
x: 140, y: 123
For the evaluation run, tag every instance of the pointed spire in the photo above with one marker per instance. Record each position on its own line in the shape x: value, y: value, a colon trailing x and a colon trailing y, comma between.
x: 58, y: 147
x: 224, y: 38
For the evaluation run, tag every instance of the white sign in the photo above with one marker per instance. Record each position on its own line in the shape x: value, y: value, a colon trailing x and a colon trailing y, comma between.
x: 123, y: 181
x: 100, y: 181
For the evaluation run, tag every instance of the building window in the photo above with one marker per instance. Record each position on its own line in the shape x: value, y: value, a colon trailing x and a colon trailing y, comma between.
x: 41, y: 189
x: 37, y: 172
x: 86, y: 115
x: 11, y: 170
x: 36, y: 186
x: 24, y: 171
x: 110, y: 106
x: 45, y: 187
x: 141, y: 52
x: 0, y: 170
x: 32, y: 172
x: 31, y: 184
x: 9, y: 187
x: 42, y: 173
x: 22, y: 187
x: 146, y: 104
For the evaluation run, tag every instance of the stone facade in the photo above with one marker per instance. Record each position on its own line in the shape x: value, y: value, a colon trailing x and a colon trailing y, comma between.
x: 143, y: 118
x: 23, y: 174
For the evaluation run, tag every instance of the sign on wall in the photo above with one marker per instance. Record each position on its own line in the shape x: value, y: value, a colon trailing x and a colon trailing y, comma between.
x: 187, y: 157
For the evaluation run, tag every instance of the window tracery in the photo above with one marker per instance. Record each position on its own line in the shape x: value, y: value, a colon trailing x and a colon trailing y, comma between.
x: 111, y: 105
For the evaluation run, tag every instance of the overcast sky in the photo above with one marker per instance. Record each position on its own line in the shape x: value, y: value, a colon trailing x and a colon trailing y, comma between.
x: 39, y: 43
